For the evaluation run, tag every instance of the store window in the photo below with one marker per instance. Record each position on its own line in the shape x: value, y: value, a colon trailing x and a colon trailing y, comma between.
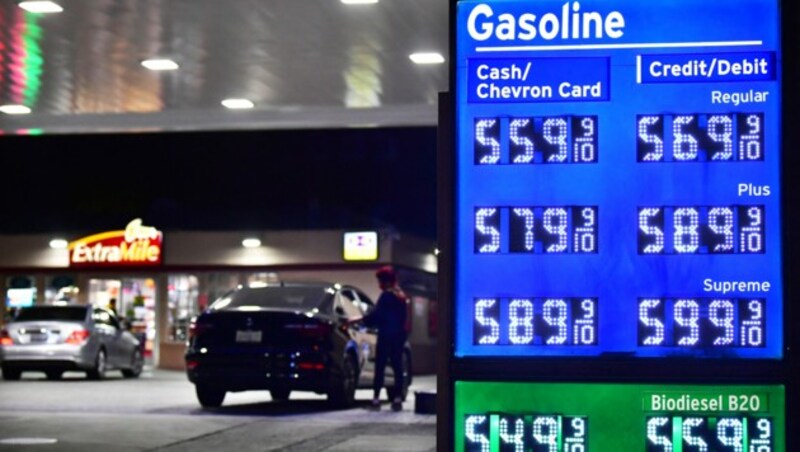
x: 183, y: 296
x: 60, y: 290
x: 21, y: 292
x: 221, y: 283
x: 262, y: 279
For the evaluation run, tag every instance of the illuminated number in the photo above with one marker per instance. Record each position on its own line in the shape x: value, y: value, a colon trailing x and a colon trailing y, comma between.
x: 559, y: 139
x: 559, y: 320
x: 751, y: 236
x: 656, y: 439
x: 584, y: 236
x: 684, y: 145
x: 724, y: 137
x: 752, y: 329
x: 487, y: 321
x: 688, y: 437
x: 654, y: 232
x: 521, y: 141
x: 730, y: 432
x: 584, y: 329
x: 763, y: 441
x: 725, y: 321
x: 517, y: 438
x: 720, y: 221
x: 656, y: 154
x: 487, y: 139
x: 750, y: 142
x: 524, y: 322
x: 555, y: 223
x: 474, y: 438
x: 545, y: 432
x: 686, y: 224
x: 527, y: 215
x: 486, y: 230
x: 691, y: 322
x: 584, y: 148
x: 657, y: 338
x: 577, y: 441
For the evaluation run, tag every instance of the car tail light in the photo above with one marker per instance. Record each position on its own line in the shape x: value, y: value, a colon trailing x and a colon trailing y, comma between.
x: 316, y: 330
x: 198, y: 329
x: 5, y: 338
x: 78, y: 337
x: 303, y: 365
x: 191, y: 364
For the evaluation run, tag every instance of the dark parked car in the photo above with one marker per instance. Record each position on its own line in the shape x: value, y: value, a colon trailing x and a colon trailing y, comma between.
x: 284, y: 338
x: 54, y: 339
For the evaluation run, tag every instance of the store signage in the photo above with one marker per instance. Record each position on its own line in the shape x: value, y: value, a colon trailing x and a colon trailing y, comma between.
x: 618, y: 179
x: 361, y: 246
x: 136, y: 245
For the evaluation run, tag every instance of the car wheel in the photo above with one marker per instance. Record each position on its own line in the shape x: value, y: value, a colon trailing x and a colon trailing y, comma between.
x: 280, y: 395
x: 99, y: 370
x: 343, y: 392
x: 406, y: 380
x: 11, y: 374
x: 137, y: 362
x: 209, y: 397
x: 54, y: 374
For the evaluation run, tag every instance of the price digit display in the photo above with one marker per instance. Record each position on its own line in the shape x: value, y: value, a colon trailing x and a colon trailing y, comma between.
x: 525, y: 433
x: 709, y: 434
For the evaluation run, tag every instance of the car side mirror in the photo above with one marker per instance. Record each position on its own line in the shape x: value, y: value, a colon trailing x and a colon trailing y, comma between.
x: 125, y: 324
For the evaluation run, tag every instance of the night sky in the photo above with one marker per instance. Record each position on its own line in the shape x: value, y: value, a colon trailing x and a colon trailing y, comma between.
x: 353, y: 178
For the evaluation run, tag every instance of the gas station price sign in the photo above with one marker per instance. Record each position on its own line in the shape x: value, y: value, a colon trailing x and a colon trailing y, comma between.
x: 571, y: 417
x: 618, y: 183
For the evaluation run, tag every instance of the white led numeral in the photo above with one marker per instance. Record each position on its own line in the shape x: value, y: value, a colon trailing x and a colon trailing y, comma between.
x: 657, y: 234
x: 751, y: 235
x: 477, y: 438
x: 725, y: 320
x: 545, y: 432
x: 725, y: 137
x: 720, y: 221
x: 688, y: 436
x: 762, y: 442
x: 653, y: 424
x: 684, y: 145
x: 752, y: 329
x: 555, y: 314
x: 527, y: 215
x: 657, y: 338
x: 488, y: 141
x: 583, y: 331
x: 520, y: 314
x: 559, y: 139
x: 576, y: 443
x: 517, y: 438
x: 494, y: 235
x: 555, y: 223
x: 584, y: 236
x: 521, y: 140
x: 749, y: 143
x: 691, y: 308
x: 494, y: 328
x: 686, y: 223
x: 730, y: 432
x: 583, y: 149
x: 657, y: 153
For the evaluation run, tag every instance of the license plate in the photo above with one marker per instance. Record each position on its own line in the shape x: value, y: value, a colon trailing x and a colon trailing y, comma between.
x: 248, y: 336
x: 37, y: 337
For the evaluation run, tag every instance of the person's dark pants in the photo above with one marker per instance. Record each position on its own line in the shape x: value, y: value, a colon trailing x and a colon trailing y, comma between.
x: 389, y: 348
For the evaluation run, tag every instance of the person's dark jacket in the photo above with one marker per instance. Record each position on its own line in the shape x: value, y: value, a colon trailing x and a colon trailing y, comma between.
x: 389, y: 315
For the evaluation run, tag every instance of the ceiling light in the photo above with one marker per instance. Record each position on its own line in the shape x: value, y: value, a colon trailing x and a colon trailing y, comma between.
x: 15, y: 109
x: 359, y: 2
x: 251, y: 242
x: 58, y: 244
x: 238, y: 104
x: 160, y: 65
x: 41, y: 7
x: 427, y: 58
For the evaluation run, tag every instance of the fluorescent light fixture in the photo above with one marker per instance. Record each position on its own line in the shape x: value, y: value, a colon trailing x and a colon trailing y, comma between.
x: 15, y: 109
x: 359, y: 2
x: 427, y: 58
x: 58, y: 244
x: 238, y: 104
x: 251, y: 242
x: 41, y: 7
x: 160, y: 64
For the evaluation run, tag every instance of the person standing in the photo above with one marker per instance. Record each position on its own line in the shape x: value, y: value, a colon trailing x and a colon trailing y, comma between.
x: 390, y: 317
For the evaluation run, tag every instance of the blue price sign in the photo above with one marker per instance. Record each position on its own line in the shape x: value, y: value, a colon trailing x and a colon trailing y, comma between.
x: 618, y: 179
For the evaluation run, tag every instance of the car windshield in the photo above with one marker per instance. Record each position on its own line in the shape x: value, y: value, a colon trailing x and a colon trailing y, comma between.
x: 287, y: 297
x: 64, y: 313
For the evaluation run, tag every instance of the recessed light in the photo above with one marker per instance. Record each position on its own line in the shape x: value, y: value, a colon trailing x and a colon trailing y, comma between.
x: 427, y: 58
x: 238, y: 104
x: 251, y: 242
x: 161, y: 64
x: 15, y: 109
x: 41, y: 7
x: 58, y: 244
x: 359, y: 2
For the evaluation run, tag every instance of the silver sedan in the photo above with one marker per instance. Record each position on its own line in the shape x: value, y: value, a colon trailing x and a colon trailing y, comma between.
x: 55, y: 339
